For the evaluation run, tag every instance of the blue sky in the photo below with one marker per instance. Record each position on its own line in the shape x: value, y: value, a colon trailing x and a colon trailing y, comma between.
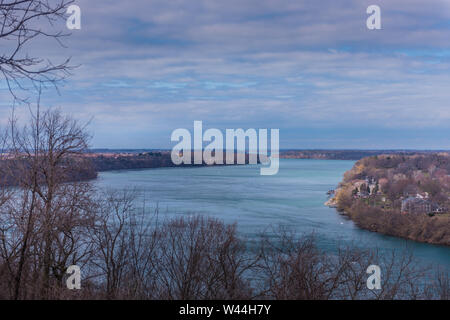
x: 309, y: 68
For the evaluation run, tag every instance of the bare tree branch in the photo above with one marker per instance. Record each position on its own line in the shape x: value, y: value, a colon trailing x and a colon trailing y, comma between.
x: 23, y: 22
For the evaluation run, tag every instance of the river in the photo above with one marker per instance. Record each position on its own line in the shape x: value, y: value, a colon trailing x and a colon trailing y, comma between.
x: 294, y: 197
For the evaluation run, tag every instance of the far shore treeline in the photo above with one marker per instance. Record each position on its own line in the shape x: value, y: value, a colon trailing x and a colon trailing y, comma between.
x: 100, y: 160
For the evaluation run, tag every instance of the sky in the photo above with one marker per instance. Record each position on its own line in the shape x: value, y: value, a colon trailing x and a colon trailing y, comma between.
x: 311, y: 69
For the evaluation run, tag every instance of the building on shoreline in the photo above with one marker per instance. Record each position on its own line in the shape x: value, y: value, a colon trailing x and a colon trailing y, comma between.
x: 419, y: 205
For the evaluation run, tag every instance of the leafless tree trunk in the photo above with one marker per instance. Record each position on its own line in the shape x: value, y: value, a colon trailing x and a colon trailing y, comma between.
x: 45, y: 211
x: 294, y: 268
x: 111, y: 237
x: 201, y: 258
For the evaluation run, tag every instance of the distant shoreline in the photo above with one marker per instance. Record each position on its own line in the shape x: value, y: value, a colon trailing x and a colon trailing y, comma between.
x: 108, y: 160
x: 324, y: 154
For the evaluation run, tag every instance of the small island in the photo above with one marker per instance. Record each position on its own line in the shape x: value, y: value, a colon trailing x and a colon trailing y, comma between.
x: 400, y: 195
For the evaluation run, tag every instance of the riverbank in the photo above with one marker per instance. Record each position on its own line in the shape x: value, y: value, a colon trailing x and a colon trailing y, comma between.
x: 431, y: 230
x: 401, y: 196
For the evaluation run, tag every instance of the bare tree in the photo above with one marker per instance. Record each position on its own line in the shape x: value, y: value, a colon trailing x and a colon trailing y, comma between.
x: 41, y: 224
x: 22, y: 23
x: 201, y: 258
x: 295, y: 268
x: 440, y: 288
x: 112, y: 239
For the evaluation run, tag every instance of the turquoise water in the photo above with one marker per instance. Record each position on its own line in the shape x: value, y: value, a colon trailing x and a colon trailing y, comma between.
x: 294, y: 198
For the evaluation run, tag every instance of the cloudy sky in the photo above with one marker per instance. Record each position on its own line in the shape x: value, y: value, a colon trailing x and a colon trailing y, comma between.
x: 309, y: 68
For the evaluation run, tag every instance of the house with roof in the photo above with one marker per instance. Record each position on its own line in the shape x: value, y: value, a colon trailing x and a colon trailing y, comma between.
x: 419, y: 205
